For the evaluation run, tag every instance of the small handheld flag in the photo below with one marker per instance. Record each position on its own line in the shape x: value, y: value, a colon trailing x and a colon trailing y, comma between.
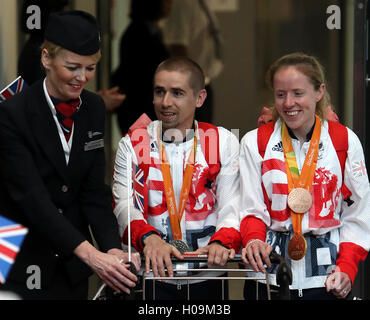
x: 15, y: 87
x: 11, y: 238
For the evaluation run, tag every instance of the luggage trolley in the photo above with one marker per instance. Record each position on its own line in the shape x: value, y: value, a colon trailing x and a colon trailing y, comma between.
x: 283, y: 275
x: 189, y: 278
x: 283, y: 278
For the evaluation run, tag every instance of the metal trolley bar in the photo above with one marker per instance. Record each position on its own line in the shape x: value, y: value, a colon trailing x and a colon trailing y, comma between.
x: 283, y: 278
x: 189, y: 278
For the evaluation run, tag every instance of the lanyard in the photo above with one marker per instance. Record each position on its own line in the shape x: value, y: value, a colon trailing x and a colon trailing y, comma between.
x: 67, y: 145
x: 175, y: 214
x: 304, y: 180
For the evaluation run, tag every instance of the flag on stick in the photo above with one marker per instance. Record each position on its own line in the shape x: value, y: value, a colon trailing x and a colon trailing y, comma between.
x: 11, y: 238
x: 138, y: 188
x: 15, y: 87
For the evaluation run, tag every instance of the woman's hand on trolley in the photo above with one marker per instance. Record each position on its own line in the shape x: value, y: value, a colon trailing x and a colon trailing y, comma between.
x: 124, y: 257
x: 339, y: 284
x: 107, y: 266
x: 256, y: 253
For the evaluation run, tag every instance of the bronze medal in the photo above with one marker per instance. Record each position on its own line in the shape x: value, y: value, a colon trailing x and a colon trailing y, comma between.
x: 297, y: 247
x: 299, y: 200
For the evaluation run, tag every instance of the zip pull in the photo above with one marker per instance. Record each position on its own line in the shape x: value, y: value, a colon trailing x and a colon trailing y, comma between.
x: 300, y: 293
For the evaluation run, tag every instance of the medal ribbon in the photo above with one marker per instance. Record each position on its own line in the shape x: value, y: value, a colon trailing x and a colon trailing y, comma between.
x: 175, y: 214
x: 305, y: 179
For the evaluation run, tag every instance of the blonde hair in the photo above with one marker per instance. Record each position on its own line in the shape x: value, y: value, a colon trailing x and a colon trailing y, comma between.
x: 53, y: 49
x: 311, y: 68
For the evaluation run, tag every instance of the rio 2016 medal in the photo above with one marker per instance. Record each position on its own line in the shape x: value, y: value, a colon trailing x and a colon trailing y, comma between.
x: 297, y: 247
x: 299, y: 200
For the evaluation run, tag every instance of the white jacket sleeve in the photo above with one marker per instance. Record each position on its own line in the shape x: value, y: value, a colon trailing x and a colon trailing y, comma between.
x: 356, y: 218
x: 120, y: 193
x: 252, y: 200
x: 228, y: 195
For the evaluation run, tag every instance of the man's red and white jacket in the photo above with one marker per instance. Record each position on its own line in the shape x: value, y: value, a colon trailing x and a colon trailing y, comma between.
x: 212, y: 209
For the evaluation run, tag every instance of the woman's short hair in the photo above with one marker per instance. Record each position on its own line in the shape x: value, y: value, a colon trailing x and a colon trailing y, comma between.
x: 307, y: 65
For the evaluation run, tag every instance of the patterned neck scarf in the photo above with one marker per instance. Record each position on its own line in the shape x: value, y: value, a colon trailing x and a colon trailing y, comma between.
x: 66, y: 112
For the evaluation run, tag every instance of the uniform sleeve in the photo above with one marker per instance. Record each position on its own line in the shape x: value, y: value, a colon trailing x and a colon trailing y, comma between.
x: 355, y: 229
x: 24, y: 184
x: 139, y: 225
x: 254, y: 215
x: 228, y: 195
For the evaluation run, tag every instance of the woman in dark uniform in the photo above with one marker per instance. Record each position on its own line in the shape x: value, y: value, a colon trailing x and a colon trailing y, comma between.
x: 52, y: 171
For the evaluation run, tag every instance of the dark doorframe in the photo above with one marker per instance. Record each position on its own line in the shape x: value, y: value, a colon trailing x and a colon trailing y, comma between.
x: 103, y: 14
x: 360, y: 58
x: 361, y: 114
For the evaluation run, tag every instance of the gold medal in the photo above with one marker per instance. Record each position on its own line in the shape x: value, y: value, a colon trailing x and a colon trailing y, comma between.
x: 297, y: 247
x: 299, y: 200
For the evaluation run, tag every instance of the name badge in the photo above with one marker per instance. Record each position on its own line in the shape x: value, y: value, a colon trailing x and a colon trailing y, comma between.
x: 92, y: 145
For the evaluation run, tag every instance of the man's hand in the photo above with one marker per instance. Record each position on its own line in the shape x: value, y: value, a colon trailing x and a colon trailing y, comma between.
x: 112, y: 98
x: 158, y: 255
x: 217, y: 254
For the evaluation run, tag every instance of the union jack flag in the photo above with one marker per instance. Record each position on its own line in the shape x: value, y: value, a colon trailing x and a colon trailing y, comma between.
x: 15, y: 87
x: 359, y: 169
x: 11, y: 238
x: 138, y: 188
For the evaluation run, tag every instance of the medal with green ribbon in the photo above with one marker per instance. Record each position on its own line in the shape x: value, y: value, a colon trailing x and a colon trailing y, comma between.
x: 299, y: 186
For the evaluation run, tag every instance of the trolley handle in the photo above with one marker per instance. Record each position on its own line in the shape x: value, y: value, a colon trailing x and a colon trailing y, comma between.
x: 284, y: 276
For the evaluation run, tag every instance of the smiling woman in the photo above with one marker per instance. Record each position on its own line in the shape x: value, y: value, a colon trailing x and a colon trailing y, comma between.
x: 296, y: 99
x: 307, y: 66
x: 303, y: 206
x: 67, y: 72
x: 52, y: 170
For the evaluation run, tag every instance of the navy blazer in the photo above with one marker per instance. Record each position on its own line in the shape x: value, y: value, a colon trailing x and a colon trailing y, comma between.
x: 56, y: 201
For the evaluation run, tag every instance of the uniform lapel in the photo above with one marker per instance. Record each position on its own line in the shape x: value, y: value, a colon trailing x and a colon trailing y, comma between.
x: 79, y: 138
x: 45, y: 129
